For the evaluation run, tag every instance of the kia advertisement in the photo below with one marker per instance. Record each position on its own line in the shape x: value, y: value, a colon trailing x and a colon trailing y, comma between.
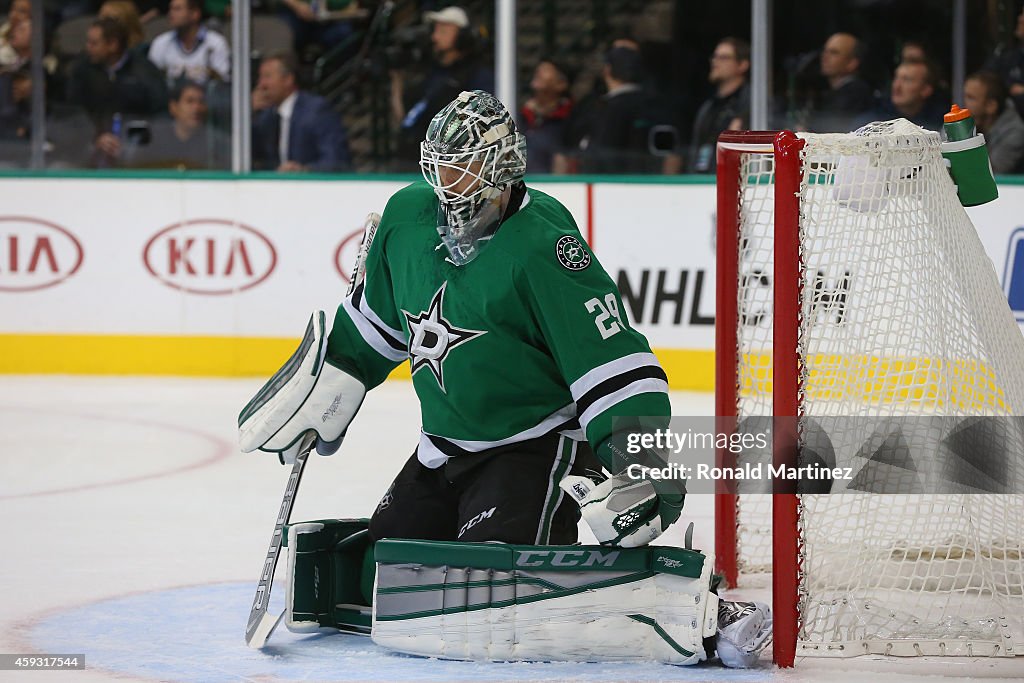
x: 210, y: 256
x: 36, y: 254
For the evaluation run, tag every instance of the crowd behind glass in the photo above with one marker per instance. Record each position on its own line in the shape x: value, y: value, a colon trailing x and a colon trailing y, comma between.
x: 350, y: 85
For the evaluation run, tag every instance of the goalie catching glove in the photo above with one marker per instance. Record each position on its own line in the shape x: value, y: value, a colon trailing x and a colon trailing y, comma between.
x: 306, y: 394
x: 629, y: 509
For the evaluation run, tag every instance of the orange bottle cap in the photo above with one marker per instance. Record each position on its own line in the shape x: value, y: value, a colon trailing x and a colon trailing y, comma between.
x: 956, y: 114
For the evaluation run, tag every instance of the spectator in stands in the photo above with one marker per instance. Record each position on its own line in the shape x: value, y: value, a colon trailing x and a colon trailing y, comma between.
x: 314, y: 28
x: 997, y: 119
x: 614, y: 135
x: 1008, y: 62
x: 914, y: 51
x: 848, y: 96
x: 456, y: 66
x: 728, y: 108
x: 20, y: 44
x: 125, y: 12
x: 15, y: 105
x: 112, y: 84
x: 16, y: 83
x: 913, y: 85
x: 20, y: 10
x: 185, y: 141
x: 543, y: 117
x: 189, y: 50
x: 294, y: 130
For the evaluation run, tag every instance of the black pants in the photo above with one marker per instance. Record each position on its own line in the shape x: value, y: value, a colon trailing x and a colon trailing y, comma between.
x: 508, y: 494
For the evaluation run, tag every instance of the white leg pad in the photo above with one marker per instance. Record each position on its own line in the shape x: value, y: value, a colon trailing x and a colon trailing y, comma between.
x: 609, y: 610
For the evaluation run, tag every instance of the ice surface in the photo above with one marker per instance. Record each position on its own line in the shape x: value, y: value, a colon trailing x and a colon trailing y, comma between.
x: 134, y: 530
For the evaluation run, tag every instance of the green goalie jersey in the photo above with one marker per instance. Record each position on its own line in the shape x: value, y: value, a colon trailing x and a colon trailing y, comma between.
x: 527, y: 339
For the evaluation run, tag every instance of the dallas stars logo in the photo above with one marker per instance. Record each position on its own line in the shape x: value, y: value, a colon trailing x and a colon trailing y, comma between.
x: 571, y: 253
x: 432, y: 337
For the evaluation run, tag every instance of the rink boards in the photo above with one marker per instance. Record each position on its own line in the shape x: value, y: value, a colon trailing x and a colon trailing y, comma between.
x: 217, y: 276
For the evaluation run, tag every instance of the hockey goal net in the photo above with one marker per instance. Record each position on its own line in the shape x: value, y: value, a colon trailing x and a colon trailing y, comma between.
x: 853, y: 292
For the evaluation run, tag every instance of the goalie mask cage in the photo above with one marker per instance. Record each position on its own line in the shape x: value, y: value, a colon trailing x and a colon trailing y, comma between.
x: 852, y: 284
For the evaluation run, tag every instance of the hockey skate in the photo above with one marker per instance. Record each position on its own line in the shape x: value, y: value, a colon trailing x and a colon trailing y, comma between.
x: 744, y: 629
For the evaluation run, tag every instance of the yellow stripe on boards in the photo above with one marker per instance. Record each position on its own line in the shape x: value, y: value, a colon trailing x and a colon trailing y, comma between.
x: 921, y: 385
x: 137, y: 355
x: 687, y: 369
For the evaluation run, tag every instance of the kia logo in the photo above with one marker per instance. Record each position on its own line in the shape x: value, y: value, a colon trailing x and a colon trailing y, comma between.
x: 36, y: 254
x: 210, y: 256
x: 346, y: 253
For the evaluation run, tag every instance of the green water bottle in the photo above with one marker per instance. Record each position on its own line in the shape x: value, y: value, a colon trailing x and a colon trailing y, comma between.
x: 967, y: 158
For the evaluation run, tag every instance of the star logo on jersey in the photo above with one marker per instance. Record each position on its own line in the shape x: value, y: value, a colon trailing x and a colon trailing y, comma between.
x: 432, y: 337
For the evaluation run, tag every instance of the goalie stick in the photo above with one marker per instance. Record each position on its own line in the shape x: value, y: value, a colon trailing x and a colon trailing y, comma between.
x: 261, y: 624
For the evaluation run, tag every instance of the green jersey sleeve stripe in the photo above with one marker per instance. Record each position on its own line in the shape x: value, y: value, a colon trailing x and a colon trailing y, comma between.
x: 613, y: 384
x: 610, y: 369
x: 363, y: 306
x: 643, y: 386
x: 371, y: 335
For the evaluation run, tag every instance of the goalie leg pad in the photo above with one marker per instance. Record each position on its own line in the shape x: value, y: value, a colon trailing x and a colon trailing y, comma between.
x: 486, y: 601
x: 306, y: 394
x: 329, y: 576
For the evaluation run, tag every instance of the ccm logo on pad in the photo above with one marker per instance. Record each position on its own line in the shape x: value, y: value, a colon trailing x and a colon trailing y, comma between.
x: 565, y: 558
x: 36, y: 254
x: 210, y: 256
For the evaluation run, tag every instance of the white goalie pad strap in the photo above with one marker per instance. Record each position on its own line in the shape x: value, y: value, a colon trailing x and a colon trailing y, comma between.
x: 305, y: 394
x: 711, y: 614
x: 542, y: 610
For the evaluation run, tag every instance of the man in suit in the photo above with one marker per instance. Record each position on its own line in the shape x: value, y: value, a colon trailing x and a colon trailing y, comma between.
x: 294, y: 130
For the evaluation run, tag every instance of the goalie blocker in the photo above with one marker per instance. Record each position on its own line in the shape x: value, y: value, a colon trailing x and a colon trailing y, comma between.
x: 489, y: 601
x: 306, y: 394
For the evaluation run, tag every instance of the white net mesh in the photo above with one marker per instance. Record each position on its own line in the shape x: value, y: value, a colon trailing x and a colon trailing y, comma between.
x: 901, y: 315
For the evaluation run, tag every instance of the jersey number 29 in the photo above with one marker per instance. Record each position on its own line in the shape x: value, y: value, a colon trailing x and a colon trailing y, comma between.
x: 608, y: 319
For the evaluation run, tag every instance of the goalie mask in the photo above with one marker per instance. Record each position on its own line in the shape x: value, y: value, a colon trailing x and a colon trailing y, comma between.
x: 472, y: 154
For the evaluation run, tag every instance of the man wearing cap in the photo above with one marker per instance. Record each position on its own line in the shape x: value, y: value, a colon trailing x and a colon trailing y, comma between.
x: 456, y: 66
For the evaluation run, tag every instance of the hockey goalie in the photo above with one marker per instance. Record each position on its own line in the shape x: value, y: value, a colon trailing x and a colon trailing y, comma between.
x: 520, y: 359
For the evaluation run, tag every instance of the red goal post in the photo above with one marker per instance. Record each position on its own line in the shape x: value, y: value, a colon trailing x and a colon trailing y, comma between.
x: 785, y: 147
